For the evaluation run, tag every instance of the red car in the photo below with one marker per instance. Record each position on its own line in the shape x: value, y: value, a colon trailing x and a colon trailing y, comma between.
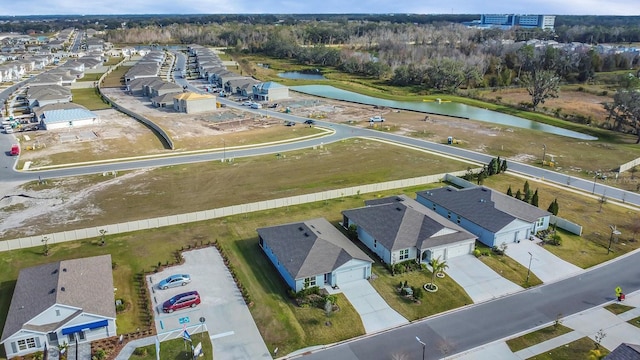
x: 181, y: 301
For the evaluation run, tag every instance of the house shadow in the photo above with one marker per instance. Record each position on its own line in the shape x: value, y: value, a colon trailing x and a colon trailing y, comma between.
x: 261, y: 268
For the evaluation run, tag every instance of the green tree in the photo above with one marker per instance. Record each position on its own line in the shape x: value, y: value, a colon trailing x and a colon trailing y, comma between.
x: 437, y: 266
x: 534, y: 198
x: 519, y: 195
x: 553, y: 207
x: 503, y: 166
x: 509, y: 191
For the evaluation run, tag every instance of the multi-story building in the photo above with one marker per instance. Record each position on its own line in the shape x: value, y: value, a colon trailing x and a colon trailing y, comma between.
x: 508, y: 21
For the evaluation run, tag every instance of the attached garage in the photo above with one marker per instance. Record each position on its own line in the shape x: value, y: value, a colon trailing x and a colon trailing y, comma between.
x: 343, y: 277
x: 460, y: 249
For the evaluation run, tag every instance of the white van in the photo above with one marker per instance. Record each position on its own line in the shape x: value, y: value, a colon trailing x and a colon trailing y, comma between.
x: 256, y: 106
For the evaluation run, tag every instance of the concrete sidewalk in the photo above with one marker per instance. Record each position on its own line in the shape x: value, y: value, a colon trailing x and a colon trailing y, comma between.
x: 128, y: 349
x: 585, y: 324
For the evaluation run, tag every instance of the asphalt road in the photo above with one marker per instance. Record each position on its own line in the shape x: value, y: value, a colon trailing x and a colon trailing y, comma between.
x: 341, y: 132
x: 480, y: 324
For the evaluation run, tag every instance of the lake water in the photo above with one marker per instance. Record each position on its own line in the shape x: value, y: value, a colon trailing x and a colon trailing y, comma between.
x: 444, y: 108
x: 296, y: 75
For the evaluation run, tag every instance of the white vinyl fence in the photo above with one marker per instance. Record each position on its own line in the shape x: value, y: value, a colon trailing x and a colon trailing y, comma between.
x: 153, y: 223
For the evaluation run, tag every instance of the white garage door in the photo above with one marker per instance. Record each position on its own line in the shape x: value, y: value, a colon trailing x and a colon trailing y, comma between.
x: 457, y: 250
x: 350, y: 275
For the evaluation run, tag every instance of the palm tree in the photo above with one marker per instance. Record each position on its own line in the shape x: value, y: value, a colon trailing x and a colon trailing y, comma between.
x: 437, y: 266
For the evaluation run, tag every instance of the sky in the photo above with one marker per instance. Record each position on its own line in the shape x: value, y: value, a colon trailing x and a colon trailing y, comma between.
x: 103, y: 7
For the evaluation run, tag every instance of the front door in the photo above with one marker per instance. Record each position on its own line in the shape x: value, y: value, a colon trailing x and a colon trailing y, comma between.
x: 53, y: 338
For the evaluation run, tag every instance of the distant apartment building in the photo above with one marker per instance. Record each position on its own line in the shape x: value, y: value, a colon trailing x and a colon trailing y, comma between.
x: 508, y: 21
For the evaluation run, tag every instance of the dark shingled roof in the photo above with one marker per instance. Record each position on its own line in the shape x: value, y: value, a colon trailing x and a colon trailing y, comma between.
x: 85, y: 283
x: 483, y: 206
x: 625, y: 351
x: 399, y: 222
x: 310, y: 247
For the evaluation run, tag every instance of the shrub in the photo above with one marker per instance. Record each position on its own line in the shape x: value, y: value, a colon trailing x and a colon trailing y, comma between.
x: 477, y: 253
x: 140, y: 351
x: 554, y: 239
x: 418, y: 293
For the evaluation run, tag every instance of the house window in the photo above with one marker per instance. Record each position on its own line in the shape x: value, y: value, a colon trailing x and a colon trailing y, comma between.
x: 458, y: 219
x: 433, y: 207
x: 25, y: 344
x: 375, y: 243
x: 404, y: 254
x: 310, y: 282
x: 57, y: 312
x: 541, y: 222
x: 448, y: 214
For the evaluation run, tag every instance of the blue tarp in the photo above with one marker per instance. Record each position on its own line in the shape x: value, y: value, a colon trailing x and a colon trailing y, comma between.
x: 79, y: 328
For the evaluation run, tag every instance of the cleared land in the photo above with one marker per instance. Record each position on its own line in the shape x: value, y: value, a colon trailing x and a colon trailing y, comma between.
x: 63, y: 204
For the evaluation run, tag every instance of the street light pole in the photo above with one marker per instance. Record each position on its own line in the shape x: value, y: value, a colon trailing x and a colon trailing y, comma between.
x: 529, y: 268
x: 595, y: 177
x: 424, y: 346
x: 224, y: 150
x: 544, y: 153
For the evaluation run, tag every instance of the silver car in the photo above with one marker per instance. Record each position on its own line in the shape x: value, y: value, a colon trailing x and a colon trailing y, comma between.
x: 174, y: 280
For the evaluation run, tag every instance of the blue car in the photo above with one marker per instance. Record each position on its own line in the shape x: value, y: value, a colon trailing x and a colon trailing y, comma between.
x: 174, y: 280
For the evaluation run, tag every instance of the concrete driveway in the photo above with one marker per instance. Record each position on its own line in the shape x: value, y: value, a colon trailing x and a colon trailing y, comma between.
x: 233, y: 332
x: 375, y: 313
x: 479, y: 280
x: 545, y: 265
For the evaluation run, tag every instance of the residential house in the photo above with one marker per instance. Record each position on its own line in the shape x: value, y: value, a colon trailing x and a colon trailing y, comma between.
x: 398, y: 229
x: 39, y: 96
x: 192, y: 103
x: 60, y: 302
x: 164, y: 100
x: 270, y: 91
x: 625, y: 351
x: 313, y: 253
x: 157, y: 89
x: 45, y: 79
x: 64, y: 115
x: 495, y: 218
x: 243, y: 86
x: 137, y: 87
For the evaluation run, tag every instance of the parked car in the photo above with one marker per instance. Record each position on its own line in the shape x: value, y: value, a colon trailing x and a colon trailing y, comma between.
x: 376, y: 118
x: 290, y: 123
x: 309, y: 122
x: 256, y: 106
x: 273, y: 106
x: 247, y: 103
x: 174, y: 280
x: 181, y: 301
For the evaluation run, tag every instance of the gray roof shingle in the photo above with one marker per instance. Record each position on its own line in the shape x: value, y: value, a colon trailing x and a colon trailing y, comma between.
x: 398, y: 222
x: 483, y: 206
x: 625, y: 351
x: 85, y: 283
x: 311, y: 247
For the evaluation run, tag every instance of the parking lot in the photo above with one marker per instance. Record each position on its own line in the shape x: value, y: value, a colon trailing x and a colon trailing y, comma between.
x: 222, y: 310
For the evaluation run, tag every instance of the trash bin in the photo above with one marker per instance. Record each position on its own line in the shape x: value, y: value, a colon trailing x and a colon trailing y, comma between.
x: 450, y: 140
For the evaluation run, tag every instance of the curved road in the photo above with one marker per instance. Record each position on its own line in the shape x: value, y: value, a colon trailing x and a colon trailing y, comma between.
x: 459, y: 330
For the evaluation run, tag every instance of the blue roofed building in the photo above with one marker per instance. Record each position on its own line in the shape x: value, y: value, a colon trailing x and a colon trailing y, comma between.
x: 64, y: 115
x: 270, y: 91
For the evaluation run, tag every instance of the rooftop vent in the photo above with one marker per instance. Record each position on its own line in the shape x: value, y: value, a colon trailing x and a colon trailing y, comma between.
x: 52, y: 291
x: 306, y: 234
x: 64, y: 269
x: 449, y: 189
x: 54, y: 272
x: 484, y: 189
x: 398, y: 208
x: 300, y: 228
x: 482, y: 200
x: 62, y: 288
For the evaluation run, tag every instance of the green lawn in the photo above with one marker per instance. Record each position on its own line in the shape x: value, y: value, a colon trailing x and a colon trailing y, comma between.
x: 89, y: 98
x: 579, y: 349
x: 635, y: 322
x: 618, y: 308
x: 116, y: 77
x: 590, y: 248
x: 449, y: 295
x: 91, y: 77
x: 176, y: 349
x: 507, y: 267
x: 536, y: 337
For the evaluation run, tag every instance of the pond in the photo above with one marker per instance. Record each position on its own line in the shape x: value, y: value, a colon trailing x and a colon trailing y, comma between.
x: 296, y: 75
x: 440, y: 108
